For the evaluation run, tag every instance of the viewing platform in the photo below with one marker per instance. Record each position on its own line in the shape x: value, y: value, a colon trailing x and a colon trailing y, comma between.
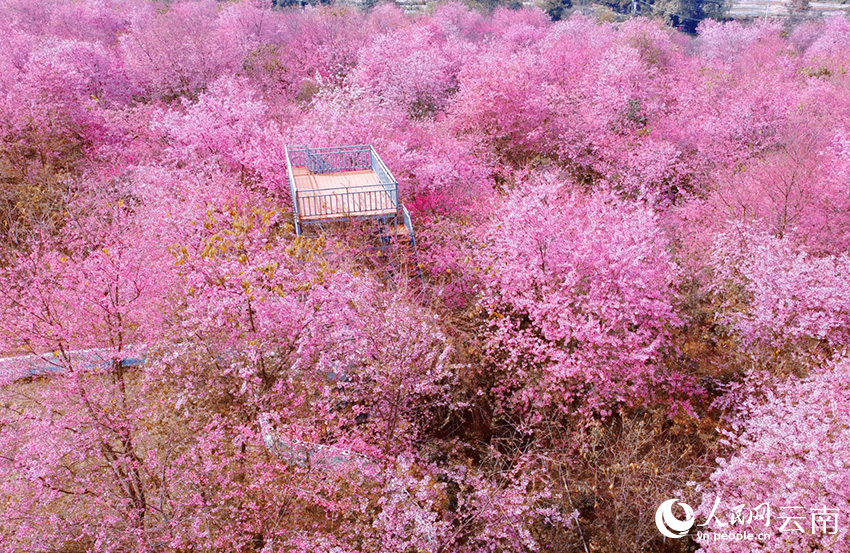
x: 345, y: 182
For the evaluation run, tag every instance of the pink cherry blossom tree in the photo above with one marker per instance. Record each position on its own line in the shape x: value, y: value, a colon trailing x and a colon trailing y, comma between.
x: 578, y: 292
x: 789, y: 453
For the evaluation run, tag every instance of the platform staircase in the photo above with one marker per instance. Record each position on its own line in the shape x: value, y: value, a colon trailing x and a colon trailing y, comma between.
x: 397, y: 246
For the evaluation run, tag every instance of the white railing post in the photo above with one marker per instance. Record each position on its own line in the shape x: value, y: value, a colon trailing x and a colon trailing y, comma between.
x: 293, y: 193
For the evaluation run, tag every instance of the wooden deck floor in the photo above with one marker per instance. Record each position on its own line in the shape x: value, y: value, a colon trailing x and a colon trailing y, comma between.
x: 340, y: 195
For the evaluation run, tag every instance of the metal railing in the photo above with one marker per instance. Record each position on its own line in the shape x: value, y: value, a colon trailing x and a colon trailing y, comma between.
x: 292, y: 193
x: 408, y: 224
x: 384, y: 176
x: 332, y: 160
x: 374, y: 199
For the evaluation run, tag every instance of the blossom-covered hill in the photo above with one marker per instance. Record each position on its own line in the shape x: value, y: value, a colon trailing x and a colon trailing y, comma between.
x: 630, y: 283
